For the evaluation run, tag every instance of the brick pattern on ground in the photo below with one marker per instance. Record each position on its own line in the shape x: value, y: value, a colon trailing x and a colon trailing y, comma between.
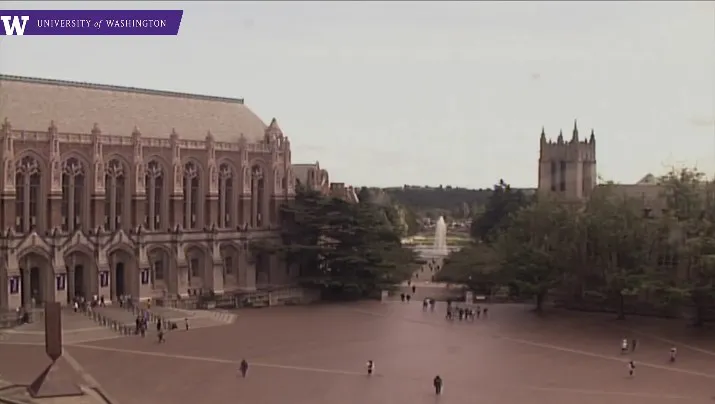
x: 77, y: 328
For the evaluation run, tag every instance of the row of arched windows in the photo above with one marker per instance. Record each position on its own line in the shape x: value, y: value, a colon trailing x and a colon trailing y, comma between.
x: 76, y: 187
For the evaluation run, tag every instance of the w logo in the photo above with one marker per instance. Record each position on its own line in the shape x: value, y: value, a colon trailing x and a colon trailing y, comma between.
x: 14, y: 25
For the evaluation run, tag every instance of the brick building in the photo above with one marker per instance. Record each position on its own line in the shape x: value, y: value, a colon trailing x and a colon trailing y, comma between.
x: 111, y: 190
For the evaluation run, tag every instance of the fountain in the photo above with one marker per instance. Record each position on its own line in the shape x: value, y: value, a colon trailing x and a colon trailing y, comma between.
x: 440, y: 238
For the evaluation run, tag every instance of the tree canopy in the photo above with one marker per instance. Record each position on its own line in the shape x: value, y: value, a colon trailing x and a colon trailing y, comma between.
x: 617, y: 249
x: 346, y: 248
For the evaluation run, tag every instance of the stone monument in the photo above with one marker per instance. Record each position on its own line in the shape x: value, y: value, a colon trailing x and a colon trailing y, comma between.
x: 49, y: 383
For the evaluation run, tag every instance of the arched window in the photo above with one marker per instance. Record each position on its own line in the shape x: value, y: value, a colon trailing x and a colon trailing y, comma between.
x: 115, y: 180
x: 28, y: 180
x: 154, y: 195
x: 225, y: 196
x: 191, y: 195
x: 73, y: 201
x: 257, y: 196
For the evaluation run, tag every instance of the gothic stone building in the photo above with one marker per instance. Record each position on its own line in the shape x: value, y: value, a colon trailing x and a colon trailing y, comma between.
x: 120, y: 191
x: 567, y: 169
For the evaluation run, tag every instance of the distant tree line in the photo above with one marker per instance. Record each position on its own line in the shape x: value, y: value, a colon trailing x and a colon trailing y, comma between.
x: 610, y: 253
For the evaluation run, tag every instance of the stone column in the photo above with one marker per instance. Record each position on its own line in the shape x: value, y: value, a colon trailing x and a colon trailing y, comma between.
x: 112, y: 277
x: 97, y: 210
x: 138, y: 210
x: 26, y: 288
x: 71, y: 281
x: 245, y: 210
x: 182, y: 280
x: 8, y: 211
x: 55, y: 211
x: 177, y: 210
x: 212, y: 212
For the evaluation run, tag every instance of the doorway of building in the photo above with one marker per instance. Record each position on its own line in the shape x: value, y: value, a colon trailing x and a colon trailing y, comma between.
x: 119, y: 279
x: 36, y: 288
x: 79, y: 281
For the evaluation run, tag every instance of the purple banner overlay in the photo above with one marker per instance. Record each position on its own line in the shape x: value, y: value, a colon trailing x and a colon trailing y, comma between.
x: 90, y: 22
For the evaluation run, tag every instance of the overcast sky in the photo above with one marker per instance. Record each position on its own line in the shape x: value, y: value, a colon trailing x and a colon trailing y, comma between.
x: 427, y: 93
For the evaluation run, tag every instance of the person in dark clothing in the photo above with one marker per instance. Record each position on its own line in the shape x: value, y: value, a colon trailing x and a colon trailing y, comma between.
x: 158, y: 325
x: 243, y: 368
x: 414, y: 288
x: 160, y: 335
x: 437, y: 385
x: 370, y: 367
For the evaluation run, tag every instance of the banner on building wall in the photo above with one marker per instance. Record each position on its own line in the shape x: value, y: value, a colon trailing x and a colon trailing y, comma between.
x: 90, y: 22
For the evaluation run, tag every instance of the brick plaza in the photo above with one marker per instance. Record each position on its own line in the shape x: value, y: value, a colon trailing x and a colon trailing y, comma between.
x: 317, y: 355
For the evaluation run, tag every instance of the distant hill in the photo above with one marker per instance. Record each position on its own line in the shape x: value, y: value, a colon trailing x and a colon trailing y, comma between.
x: 453, y: 202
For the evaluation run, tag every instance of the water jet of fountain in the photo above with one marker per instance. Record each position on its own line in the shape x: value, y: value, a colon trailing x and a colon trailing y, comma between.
x: 440, y: 238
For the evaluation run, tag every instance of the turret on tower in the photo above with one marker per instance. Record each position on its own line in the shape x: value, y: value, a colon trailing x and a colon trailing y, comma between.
x: 567, y: 169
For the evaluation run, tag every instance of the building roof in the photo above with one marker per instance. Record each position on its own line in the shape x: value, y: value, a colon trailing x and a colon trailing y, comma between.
x: 31, y: 104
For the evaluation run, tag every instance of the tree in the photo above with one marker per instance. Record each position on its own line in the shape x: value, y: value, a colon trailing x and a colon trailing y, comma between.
x: 531, y: 249
x: 342, y: 247
x: 476, y: 266
x: 690, y: 219
x: 618, y: 236
x: 501, y: 205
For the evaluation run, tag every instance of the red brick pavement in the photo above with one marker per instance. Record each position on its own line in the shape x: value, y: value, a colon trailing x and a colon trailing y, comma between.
x: 317, y: 355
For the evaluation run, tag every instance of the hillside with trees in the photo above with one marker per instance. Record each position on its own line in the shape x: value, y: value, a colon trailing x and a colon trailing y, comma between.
x: 451, y: 202
x: 610, y: 253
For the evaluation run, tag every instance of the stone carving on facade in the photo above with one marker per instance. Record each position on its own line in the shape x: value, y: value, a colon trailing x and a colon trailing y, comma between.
x: 138, y: 159
x: 211, y: 164
x: 246, y: 181
x: 8, y: 157
x: 290, y: 182
x: 76, y: 240
x: 176, y: 163
x: 98, y: 160
x: 72, y: 168
x: 55, y: 160
x: 115, y: 169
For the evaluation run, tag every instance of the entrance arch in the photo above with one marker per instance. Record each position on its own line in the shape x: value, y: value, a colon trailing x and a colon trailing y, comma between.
x: 232, y: 271
x: 80, y: 275
x: 196, y: 258
x: 161, y: 264
x: 37, y: 279
x: 263, y: 273
x: 124, y: 273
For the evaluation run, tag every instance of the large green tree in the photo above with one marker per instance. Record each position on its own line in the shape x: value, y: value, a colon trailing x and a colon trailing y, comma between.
x: 477, y: 266
x: 341, y: 246
x: 503, y: 202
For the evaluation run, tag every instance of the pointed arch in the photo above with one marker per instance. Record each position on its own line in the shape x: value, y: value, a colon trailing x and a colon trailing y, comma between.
x: 30, y: 193
x: 227, y: 194
x: 117, y: 198
x: 75, y: 196
x: 156, y: 183
x: 194, y: 183
x: 161, y: 260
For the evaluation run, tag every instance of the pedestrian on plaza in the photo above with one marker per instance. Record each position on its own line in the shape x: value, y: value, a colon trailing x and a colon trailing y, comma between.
x: 370, y: 367
x: 631, y: 368
x: 673, y: 352
x: 414, y: 289
x: 160, y: 334
x: 186, y: 323
x: 243, y: 368
x: 437, y: 382
x: 634, y: 342
x: 158, y: 324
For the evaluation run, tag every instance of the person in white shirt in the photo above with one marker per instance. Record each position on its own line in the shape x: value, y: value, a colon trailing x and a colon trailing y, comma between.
x: 673, y: 352
x: 624, y: 345
x: 370, y: 367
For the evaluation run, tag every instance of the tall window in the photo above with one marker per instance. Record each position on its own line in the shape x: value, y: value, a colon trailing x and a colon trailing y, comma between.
x: 191, y: 195
x: 194, y: 267
x: 27, y: 199
x: 159, y: 270
x: 225, y: 196
x: 154, y: 195
x: 257, y: 196
x: 73, y: 201
x: 228, y: 265
x: 115, y: 180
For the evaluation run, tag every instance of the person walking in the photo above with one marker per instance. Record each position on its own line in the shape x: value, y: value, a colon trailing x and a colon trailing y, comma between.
x: 243, y: 368
x: 437, y: 382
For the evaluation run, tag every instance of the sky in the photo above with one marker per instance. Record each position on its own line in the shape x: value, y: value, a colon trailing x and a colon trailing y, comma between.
x: 426, y: 93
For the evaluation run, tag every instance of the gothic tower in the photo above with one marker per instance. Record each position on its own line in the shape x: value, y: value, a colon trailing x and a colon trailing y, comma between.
x: 567, y: 168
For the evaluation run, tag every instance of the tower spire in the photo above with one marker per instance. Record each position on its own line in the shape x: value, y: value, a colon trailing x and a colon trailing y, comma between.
x: 575, y: 131
x: 593, y: 137
x: 543, y: 135
x: 560, y: 139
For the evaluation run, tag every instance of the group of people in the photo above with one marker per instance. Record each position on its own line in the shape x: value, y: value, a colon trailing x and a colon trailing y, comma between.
x: 626, y: 348
x: 465, y: 313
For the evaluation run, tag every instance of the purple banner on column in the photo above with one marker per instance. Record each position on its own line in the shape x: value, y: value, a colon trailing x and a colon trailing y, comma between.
x: 90, y: 22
